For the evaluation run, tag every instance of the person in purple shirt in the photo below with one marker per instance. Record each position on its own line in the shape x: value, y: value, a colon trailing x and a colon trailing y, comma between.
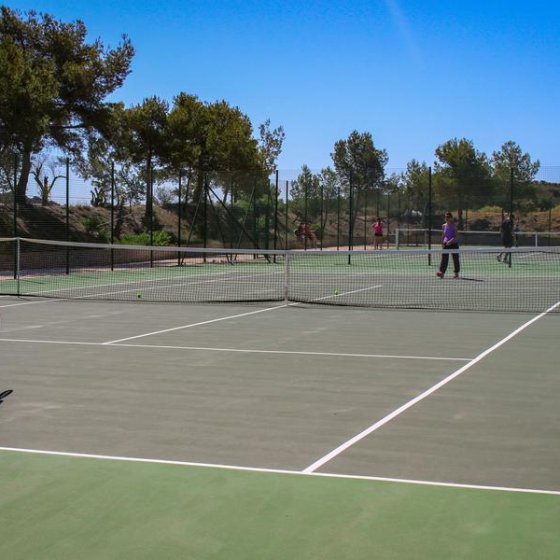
x: 449, y: 240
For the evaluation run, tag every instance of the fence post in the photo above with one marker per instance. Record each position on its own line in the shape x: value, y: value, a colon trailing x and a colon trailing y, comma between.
x: 429, y: 214
x: 511, y: 191
x: 67, y: 214
x: 287, y: 218
x: 305, y: 202
x: 112, y: 238
x: 205, y: 209
x: 15, y: 218
x: 179, y: 219
x: 267, y: 216
x: 350, y: 220
x: 388, y: 217
x: 275, y: 211
x: 338, y: 219
x: 322, y: 222
x: 365, y: 219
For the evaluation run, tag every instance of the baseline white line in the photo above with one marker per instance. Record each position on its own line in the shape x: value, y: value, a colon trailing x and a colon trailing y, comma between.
x: 63, y: 342
x: 240, y: 350
x: 31, y: 302
x: 298, y: 352
x: 197, y: 324
x: 281, y: 471
x: 343, y: 447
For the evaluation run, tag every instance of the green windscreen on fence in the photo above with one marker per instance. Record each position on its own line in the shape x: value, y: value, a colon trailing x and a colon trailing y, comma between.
x: 529, y: 281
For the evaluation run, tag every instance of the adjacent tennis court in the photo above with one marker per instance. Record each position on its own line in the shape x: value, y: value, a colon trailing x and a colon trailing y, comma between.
x: 277, y: 430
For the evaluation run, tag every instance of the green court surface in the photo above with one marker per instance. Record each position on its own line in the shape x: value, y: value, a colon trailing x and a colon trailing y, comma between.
x: 272, y: 431
x: 67, y: 508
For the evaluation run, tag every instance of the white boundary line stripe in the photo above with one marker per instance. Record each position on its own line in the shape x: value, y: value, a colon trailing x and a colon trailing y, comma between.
x: 350, y: 292
x: 438, y: 484
x: 196, y: 324
x: 343, y: 447
x: 280, y: 471
x: 64, y: 342
x: 297, y: 352
x: 35, y: 302
x: 240, y: 350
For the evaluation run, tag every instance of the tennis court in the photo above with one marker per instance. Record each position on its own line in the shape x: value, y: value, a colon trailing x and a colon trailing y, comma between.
x: 276, y: 430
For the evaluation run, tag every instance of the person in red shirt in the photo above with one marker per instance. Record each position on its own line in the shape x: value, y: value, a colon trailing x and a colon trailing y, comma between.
x: 304, y: 232
x: 377, y: 234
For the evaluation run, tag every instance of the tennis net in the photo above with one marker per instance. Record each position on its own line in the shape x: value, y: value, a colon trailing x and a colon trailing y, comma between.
x: 424, y: 238
x: 384, y: 278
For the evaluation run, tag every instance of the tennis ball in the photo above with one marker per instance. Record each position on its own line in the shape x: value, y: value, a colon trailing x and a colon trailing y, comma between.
x: 336, y: 292
x: 139, y: 295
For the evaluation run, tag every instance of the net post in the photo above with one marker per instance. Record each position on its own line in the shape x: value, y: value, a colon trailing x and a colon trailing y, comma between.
x: 397, y: 238
x: 286, y: 277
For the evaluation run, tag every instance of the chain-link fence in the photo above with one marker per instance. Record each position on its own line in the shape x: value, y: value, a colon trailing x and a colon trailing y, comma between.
x: 276, y: 211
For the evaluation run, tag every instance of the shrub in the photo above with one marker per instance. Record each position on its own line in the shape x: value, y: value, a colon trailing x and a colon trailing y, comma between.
x: 161, y: 238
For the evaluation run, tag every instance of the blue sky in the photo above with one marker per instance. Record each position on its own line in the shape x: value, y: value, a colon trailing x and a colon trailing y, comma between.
x: 413, y: 74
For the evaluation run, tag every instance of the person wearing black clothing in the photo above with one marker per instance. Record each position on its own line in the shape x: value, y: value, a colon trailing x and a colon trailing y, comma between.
x: 506, y: 231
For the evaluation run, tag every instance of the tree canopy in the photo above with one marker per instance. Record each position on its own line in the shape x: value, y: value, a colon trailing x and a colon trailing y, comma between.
x: 54, y: 85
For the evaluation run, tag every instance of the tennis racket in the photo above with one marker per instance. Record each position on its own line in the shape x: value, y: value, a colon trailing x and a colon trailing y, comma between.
x: 4, y: 394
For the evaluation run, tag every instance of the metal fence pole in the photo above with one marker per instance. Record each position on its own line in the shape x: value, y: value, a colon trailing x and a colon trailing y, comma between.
x: 322, y: 223
x: 205, y: 209
x: 338, y: 219
x: 350, y: 220
x: 305, y: 208
x: 67, y: 214
x: 388, y: 217
x: 275, y: 211
x: 179, y: 219
x: 18, y: 264
x: 511, y: 191
x: 429, y: 214
x: 15, y: 218
x: 287, y: 218
x: 365, y: 219
x: 112, y: 213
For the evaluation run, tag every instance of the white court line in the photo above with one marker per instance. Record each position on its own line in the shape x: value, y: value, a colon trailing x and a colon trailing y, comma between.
x: 343, y: 447
x: 197, y: 324
x: 224, y: 318
x: 350, y: 292
x: 297, y: 352
x: 280, y: 471
x: 35, y: 302
x: 240, y: 350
